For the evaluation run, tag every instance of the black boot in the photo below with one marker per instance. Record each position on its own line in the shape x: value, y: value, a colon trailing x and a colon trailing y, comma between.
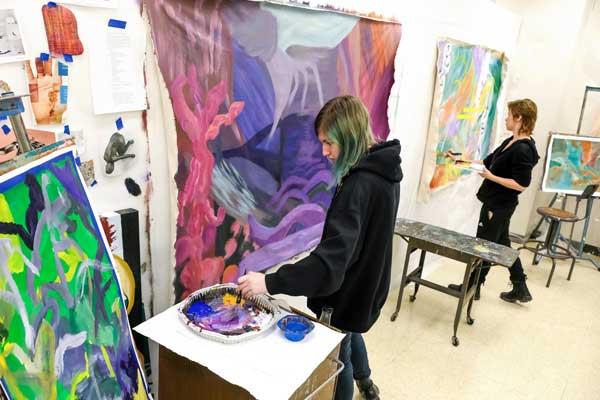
x: 519, y: 292
x: 368, y: 390
x: 458, y: 287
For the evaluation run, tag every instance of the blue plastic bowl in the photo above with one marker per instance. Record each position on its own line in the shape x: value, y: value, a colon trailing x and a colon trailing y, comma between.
x: 295, y: 327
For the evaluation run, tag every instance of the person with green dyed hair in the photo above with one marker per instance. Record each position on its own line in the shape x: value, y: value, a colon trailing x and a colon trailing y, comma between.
x: 348, y: 274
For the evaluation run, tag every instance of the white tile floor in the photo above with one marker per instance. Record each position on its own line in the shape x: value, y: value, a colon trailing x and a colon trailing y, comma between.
x: 546, y: 349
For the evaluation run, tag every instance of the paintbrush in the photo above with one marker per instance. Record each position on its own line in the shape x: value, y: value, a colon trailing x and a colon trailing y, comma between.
x: 239, y: 298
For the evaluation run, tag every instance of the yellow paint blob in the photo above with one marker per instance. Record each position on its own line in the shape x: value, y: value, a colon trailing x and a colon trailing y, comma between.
x: 481, y: 249
x: 230, y: 299
x: 5, y: 214
x: 16, y: 263
x: 72, y: 259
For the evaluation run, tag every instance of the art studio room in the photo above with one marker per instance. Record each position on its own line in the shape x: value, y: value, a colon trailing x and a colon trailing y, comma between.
x: 288, y: 199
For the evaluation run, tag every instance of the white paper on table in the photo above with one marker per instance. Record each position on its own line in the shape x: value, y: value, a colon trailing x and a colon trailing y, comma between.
x: 117, y: 69
x: 268, y: 366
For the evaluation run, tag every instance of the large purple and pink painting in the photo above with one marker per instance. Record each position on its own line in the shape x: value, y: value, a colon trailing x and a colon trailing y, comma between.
x: 246, y: 80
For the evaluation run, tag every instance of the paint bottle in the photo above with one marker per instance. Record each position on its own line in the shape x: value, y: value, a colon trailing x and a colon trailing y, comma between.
x: 326, y: 312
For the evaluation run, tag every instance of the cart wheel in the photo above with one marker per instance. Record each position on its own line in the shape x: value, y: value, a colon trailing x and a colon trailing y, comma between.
x: 455, y: 341
x: 412, y: 298
x: 394, y: 316
x: 470, y: 321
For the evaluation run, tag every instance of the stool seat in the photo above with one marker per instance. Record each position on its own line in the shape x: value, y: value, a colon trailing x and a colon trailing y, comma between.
x: 557, y: 214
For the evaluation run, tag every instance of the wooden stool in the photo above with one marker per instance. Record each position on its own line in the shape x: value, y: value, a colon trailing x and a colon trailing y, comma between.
x: 548, y: 247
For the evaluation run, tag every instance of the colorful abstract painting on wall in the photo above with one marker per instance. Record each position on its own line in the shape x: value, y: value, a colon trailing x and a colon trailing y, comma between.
x: 63, y: 326
x: 246, y: 80
x: 467, y: 87
x: 572, y: 163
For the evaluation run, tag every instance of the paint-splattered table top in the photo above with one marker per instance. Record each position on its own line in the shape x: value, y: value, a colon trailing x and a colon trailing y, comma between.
x: 464, y: 244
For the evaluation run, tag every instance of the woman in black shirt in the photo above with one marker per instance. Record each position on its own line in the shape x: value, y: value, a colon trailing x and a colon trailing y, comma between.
x: 507, y: 172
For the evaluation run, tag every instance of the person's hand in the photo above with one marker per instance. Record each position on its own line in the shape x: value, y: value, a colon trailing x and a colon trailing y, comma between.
x: 449, y: 155
x: 45, y: 91
x: 486, y: 174
x: 252, y: 283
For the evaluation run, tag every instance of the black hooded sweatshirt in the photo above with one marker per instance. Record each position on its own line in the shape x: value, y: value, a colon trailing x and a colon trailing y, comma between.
x: 516, y: 162
x: 350, y: 268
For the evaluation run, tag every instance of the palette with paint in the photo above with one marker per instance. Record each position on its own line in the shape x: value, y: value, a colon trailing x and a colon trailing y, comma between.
x: 215, y: 314
x: 469, y: 165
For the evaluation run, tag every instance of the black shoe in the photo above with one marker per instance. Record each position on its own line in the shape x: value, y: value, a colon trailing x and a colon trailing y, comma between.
x: 456, y: 287
x: 368, y: 390
x: 519, y: 292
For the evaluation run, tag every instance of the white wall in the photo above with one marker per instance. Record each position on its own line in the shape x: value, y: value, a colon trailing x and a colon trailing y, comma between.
x: 546, y: 50
x: 110, y: 192
x: 583, y: 72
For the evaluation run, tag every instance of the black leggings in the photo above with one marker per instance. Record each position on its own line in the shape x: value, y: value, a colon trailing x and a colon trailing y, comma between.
x: 493, y: 226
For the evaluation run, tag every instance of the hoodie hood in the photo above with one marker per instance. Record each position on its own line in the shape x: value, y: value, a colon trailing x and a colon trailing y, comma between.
x: 531, y: 144
x: 382, y: 159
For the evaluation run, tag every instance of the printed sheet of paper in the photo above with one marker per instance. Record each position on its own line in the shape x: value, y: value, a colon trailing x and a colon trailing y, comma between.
x: 117, y: 70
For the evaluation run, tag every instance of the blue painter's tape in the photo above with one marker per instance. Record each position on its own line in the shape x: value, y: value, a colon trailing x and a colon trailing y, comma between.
x: 67, y: 130
x: 51, y: 4
x: 64, y: 93
x: 119, y: 123
x: 116, y: 23
x: 68, y: 57
x: 5, y: 129
x: 78, y: 161
x: 63, y: 69
x: 44, y: 56
x: 94, y: 183
x: 3, y: 117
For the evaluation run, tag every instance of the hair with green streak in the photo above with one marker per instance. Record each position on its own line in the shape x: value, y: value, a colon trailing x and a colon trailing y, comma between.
x: 345, y: 121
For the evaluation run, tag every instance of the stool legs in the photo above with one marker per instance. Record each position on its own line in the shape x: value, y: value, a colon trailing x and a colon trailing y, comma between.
x: 551, y: 272
x: 571, y: 269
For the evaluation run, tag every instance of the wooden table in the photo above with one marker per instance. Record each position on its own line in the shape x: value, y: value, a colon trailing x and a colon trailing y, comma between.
x: 464, y: 248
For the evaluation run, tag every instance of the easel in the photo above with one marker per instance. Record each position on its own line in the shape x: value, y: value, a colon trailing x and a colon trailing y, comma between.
x: 563, y: 198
